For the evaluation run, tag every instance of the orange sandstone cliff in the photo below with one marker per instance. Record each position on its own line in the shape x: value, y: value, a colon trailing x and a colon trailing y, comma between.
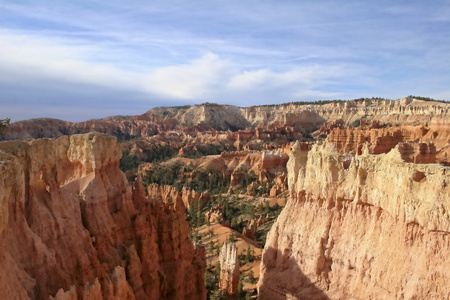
x: 72, y: 227
x: 372, y: 227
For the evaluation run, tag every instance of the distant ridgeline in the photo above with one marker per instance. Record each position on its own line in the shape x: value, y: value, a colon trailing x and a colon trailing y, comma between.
x: 304, y: 116
x: 428, y: 99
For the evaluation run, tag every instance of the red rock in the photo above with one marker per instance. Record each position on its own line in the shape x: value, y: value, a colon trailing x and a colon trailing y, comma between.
x: 72, y: 226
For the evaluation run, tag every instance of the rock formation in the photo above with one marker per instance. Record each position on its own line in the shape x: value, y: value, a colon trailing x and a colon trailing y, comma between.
x: 167, y: 192
x: 229, y: 270
x: 284, y: 121
x: 72, y: 227
x: 425, y: 144
x: 375, y: 227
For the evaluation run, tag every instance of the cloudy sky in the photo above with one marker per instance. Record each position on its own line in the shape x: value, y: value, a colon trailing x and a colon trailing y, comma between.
x: 76, y: 60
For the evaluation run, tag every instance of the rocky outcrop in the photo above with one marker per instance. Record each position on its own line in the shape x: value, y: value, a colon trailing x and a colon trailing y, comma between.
x: 250, y: 230
x: 229, y: 270
x: 273, y: 160
x: 215, y: 214
x: 72, y: 227
x: 372, y: 227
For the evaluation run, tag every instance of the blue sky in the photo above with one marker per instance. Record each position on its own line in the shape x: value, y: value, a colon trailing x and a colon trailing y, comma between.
x: 77, y: 60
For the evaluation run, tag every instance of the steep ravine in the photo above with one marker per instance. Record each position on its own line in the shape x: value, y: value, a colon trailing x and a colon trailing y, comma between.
x: 72, y: 227
x: 374, y: 227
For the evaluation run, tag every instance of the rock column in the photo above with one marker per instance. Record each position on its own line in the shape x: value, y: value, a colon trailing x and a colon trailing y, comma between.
x: 229, y: 270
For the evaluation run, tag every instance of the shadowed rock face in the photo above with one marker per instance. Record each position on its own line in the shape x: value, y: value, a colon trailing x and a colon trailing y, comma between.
x: 374, y: 228
x: 72, y: 226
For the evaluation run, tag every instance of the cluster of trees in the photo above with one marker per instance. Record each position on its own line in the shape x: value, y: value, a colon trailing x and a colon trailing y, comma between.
x: 212, y: 277
x: 159, y: 153
x: 238, y: 212
x: 195, y: 216
x: 322, y: 102
x: 169, y: 174
x: 248, y: 178
x: 261, y: 189
x: 3, y: 124
x: 212, y: 180
x: 355, y: 123
x: 427, y: 99
x: 247, y: 257
x: 209, y: 149
x: 318, y: 102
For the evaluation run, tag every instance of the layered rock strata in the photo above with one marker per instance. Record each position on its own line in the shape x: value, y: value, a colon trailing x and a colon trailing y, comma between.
x: 72, y: 227
x: 229, y: 270
x: 283, y: 120
x: 376, y: 227
x: 421, y: 144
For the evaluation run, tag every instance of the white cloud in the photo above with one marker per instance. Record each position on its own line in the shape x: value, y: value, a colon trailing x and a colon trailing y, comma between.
x: 30, y: 56
x: 196, y: 79
x: 250, y: 79
x: 297, y: 79
x: 46, y: 62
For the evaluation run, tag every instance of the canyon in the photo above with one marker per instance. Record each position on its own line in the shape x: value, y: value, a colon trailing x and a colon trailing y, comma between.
x: 362, y: 187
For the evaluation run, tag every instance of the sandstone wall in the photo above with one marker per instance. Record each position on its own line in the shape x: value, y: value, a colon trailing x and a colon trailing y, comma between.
x: 375, y: 228
x: 72, y: 226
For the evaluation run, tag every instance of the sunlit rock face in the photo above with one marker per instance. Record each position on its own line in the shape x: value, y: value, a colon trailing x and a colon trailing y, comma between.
x: 369, y: 226
x: 72, y: 227
x: 229, y: 270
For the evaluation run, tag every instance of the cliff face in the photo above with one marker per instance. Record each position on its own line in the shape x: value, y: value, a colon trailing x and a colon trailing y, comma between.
x: 72, y: 226
x: 423, y: 144
x: 289, y: 118
x: 374, y: 227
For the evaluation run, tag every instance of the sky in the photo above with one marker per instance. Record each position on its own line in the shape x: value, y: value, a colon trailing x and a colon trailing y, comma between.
x: 78, y: 60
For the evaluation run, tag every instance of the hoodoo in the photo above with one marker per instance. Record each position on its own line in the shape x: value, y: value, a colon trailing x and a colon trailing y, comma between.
x: 229, y: 270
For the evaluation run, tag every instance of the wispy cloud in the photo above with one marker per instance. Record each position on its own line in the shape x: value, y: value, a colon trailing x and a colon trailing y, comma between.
x: 226, y: 51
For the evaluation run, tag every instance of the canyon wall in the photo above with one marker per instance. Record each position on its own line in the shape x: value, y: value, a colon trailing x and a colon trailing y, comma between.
x: 72, y: 227
x: 289, y: 118
x: 419, y: 144
x: 360, y: 227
